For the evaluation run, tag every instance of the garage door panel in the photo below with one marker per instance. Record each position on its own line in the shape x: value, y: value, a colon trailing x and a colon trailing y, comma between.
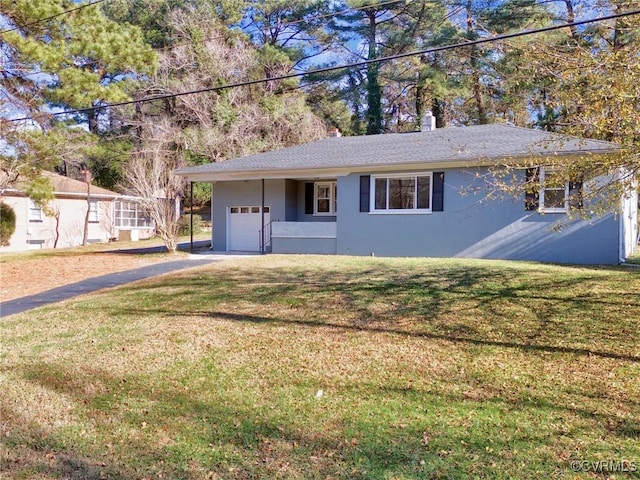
x: 244, y: 224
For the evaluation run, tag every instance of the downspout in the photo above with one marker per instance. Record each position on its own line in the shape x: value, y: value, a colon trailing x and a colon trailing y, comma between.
x: 621, y: 239
x: 191, y: 216
x: 622, y: 230
x: 262, y: 214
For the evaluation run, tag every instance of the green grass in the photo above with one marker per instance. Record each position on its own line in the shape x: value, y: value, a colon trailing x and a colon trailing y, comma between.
x: 442, y: 369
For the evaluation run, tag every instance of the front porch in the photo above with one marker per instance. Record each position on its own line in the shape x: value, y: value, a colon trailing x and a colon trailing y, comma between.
x: 302, y: 237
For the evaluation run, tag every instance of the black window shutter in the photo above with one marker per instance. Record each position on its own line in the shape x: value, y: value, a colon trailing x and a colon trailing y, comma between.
x: 438, y: 192
x: 532, y: 189
x: 575, y: 194
x: 308, y: 198
x: 365, y: 187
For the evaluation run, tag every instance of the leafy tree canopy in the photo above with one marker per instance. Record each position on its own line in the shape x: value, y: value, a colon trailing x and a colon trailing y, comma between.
x: 75, y: 60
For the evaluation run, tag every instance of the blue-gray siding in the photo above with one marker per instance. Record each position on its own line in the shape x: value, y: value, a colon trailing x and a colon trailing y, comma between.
x: 469, y: 226
x: 472, y: 226
x: 244, y: 193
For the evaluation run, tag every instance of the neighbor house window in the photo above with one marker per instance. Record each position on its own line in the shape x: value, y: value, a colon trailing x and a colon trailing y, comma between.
x: 93, y: 211
x: 35, y: 212
x: 406, y: 193
x: 130, y: 215
x: 325, y: 198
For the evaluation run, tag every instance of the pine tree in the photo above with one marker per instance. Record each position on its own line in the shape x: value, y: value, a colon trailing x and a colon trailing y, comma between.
x: 75, y: 60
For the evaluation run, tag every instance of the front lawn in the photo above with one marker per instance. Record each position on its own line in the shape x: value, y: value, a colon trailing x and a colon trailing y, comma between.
x: 330, y: 367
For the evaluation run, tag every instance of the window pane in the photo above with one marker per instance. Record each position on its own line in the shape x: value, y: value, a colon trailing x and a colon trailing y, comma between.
x: 93, y: 211
x: 234, y: 210
x: 324, y: 191
x: 244, y: 209
x: 266, y: 209
x: 323, y: 206
x: 381, y: 194
x: 255, y: 209
x: 35, y: 212
x: 553, y: 179
x: 401, y: 193
x: 554, y: 198
x: 424, y: 192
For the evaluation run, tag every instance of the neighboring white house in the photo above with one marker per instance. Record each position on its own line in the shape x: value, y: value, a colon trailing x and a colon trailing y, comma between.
x: 112, y: 216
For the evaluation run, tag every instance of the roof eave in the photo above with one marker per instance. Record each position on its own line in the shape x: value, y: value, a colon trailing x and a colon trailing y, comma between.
x: 328, y: 172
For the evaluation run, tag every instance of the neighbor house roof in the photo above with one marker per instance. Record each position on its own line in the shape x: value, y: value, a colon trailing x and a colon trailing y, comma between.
x: 68, y: 187
x: 447, y: 147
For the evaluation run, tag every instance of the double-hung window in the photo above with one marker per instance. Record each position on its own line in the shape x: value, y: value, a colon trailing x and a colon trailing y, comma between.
x: 554, y: 191
x: 549, y: 191
x: 325, y: 198
x: 93, y: 211
x: 35, y: 212
x: 402, y: 193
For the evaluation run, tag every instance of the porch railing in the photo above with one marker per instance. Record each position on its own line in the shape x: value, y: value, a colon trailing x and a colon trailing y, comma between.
x: 265, y: 237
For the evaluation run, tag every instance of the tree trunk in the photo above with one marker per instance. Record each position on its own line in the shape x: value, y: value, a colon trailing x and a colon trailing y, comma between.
x: 419, y: 102
x: 571, y: 17
x: 57, y: 230
x: 374, y: 94
x: 481, y: 108
x: 92, y: 120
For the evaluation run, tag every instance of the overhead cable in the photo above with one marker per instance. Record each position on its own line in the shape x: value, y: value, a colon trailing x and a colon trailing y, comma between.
x: 361, y: 63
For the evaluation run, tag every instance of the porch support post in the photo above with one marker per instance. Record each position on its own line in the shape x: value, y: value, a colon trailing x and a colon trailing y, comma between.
x: 262, y: 215
x: 191, y: 206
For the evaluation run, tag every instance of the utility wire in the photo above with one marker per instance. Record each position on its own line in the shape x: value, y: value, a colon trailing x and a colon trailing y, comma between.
x: 342, y: 67
x: 42, y: 20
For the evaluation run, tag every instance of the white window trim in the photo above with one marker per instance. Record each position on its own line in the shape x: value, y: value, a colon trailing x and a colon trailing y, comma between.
x: 541, y: 207
x: 332, y: 199
x: 33, y: 208
x: 408, y: 211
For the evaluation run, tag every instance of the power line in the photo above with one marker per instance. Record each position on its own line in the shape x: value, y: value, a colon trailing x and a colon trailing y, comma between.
x: 343, y: 67
x: 42, y: 20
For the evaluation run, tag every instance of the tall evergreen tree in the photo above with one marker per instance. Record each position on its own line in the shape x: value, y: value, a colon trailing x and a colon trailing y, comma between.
x: 74, y: 60
x: 363, y: 30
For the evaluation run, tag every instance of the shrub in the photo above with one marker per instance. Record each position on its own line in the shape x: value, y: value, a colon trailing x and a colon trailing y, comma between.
x: 7, y: 223
x: 184, y: 225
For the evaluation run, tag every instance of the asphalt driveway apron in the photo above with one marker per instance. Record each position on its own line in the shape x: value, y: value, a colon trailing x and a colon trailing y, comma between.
x: 94, y: 284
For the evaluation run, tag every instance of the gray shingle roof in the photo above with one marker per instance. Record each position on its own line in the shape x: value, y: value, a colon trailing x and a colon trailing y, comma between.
x: 475, y: 144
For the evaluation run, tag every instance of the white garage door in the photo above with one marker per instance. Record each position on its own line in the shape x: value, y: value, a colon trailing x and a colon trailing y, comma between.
x: 243, y: 228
